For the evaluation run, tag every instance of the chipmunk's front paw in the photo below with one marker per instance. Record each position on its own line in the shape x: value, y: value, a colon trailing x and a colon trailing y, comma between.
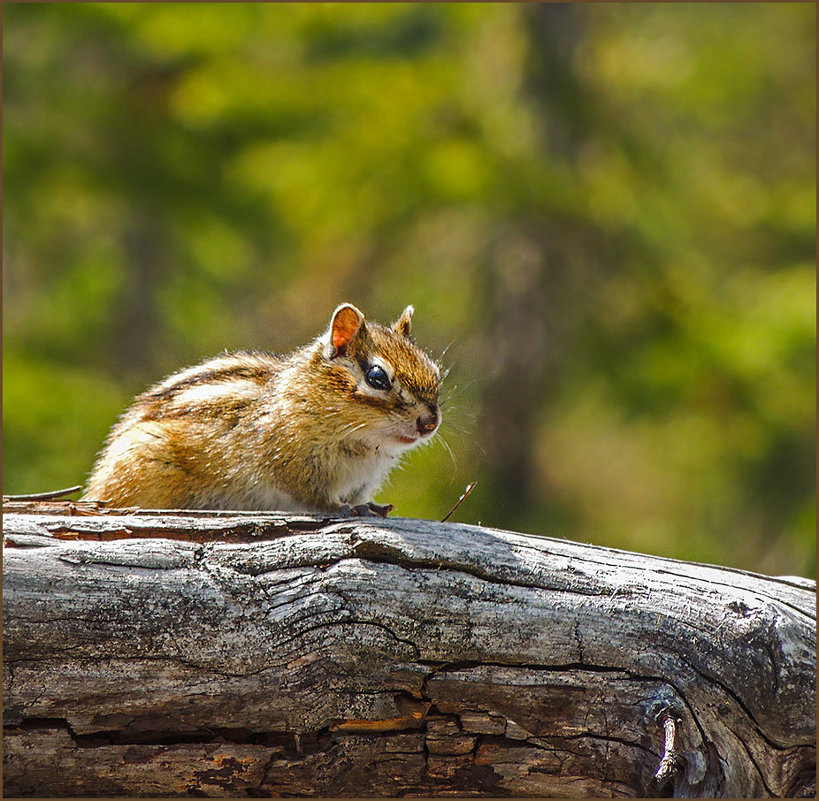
x: 366, y: 510
x: 379, y: 511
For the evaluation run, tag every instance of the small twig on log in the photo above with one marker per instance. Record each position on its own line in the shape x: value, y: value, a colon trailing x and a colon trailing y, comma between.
x: 672, y: 762
x: 43, y: 496
x: 469, y: 488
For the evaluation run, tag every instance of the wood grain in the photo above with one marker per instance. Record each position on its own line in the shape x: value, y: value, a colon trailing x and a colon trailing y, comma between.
x: 262, y: 654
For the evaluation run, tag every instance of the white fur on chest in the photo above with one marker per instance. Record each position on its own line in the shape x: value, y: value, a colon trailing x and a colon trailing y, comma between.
x: 357, y: 478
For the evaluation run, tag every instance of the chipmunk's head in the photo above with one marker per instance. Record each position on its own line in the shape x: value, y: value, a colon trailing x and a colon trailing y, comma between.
x: 386, y: 385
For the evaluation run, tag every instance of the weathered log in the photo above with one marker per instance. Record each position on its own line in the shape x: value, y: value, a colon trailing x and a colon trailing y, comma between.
x: 262, y: 654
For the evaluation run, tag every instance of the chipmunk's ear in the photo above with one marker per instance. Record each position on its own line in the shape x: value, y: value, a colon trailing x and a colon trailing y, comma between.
x: 346, y: 323
x: 404, y: 323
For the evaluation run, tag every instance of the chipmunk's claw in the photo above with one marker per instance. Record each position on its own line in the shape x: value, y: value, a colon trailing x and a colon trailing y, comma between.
x: 366, y: 510
x: 380, y: 511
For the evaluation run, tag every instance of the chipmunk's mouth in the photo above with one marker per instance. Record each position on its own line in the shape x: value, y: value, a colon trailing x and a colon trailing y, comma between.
x: 406, y: 440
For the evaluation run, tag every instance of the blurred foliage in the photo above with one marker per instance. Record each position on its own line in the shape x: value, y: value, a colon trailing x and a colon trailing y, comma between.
x: 607, y: 210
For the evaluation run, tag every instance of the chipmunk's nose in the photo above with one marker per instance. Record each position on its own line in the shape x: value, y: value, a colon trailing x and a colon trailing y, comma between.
x: 427, y: 424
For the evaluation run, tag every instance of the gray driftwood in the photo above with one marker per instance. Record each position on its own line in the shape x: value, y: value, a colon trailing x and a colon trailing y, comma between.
x: 262, y: 654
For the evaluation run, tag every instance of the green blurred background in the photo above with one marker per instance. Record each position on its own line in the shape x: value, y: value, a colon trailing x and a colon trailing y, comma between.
x: 606, y: 211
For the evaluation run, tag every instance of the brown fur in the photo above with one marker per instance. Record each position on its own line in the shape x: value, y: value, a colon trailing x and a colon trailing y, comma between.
x: 254, y: 430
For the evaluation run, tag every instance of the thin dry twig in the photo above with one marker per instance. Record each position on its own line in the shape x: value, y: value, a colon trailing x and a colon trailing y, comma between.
x: 467, y: 491
x: 43, y: 496
x: 672, y: 762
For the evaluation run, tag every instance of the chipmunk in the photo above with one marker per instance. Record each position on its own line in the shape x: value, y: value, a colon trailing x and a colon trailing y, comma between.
x: 316, y: 430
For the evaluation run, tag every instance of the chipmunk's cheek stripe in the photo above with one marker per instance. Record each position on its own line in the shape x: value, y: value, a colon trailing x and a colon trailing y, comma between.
x: 372, y: 400
x: 340, y: 380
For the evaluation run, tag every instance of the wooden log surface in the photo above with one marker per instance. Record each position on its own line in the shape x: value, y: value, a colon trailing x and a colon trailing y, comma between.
x: 225, y: 654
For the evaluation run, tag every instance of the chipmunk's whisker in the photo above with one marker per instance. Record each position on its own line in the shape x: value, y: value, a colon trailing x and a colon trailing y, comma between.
x: 351, y: 428
x: 444, y: 351
x: 442, y: 439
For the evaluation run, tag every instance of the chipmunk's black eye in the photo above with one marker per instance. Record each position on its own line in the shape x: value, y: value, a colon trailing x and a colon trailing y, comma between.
x: 377, y: 378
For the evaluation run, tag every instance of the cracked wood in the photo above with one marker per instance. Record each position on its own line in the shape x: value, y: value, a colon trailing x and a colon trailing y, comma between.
x: 267, y: 654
